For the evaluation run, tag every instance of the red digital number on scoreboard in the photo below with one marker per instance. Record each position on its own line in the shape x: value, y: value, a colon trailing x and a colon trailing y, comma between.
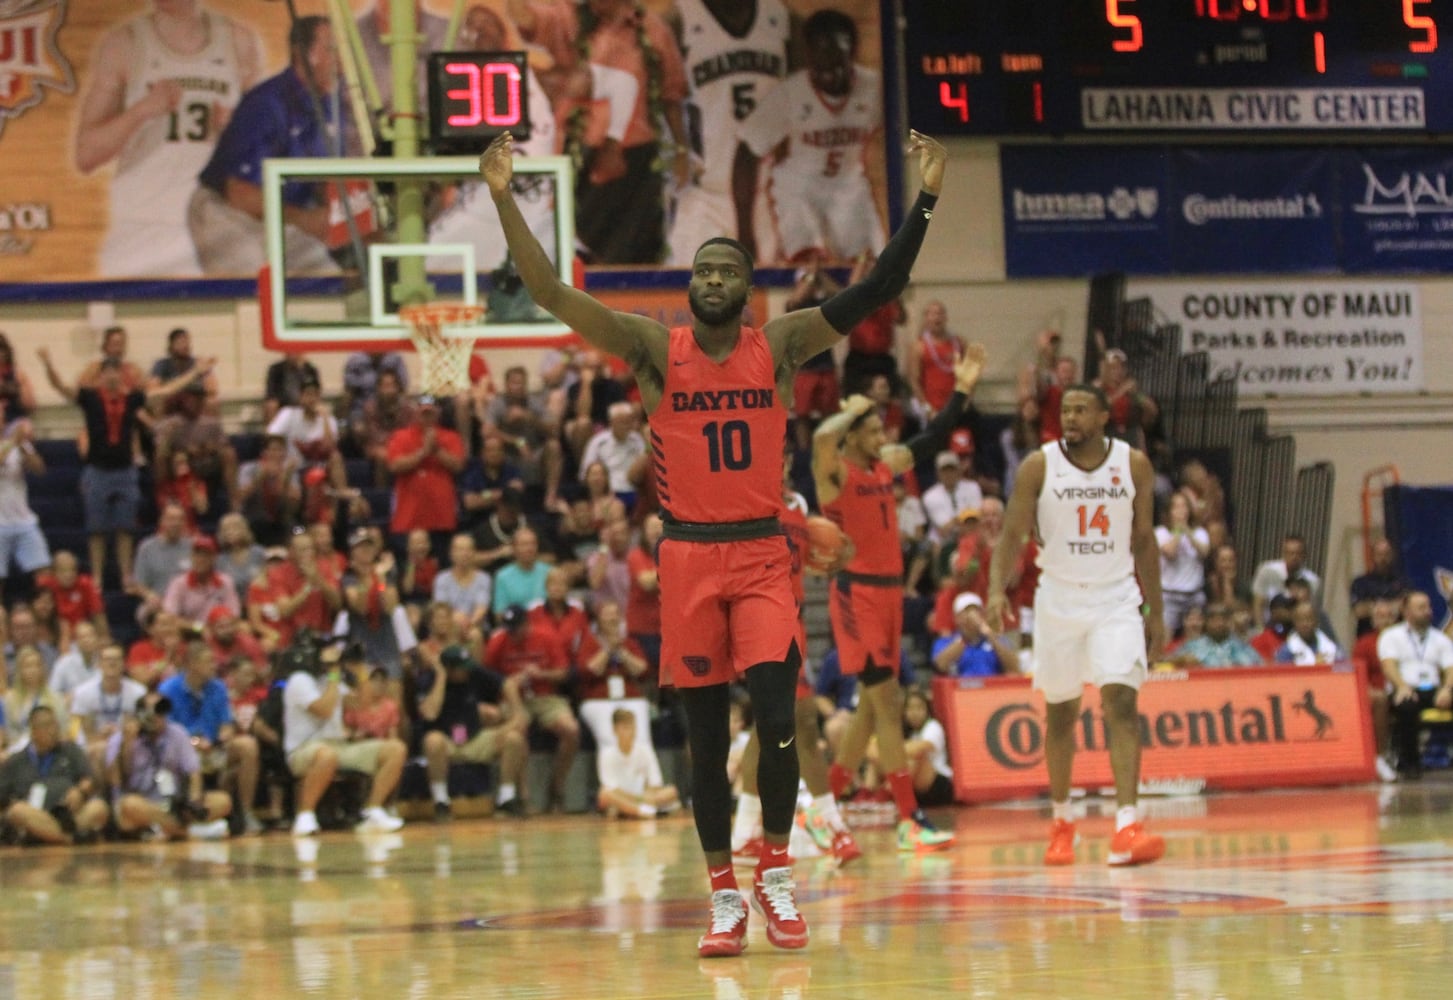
x: 491, y: 94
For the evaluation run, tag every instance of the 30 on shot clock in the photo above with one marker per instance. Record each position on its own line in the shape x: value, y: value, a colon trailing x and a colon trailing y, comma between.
x: 990, y: 67
x: 475, y: 96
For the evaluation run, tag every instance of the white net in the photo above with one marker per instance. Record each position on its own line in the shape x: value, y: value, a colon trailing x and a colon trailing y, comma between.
x: 441, y: 335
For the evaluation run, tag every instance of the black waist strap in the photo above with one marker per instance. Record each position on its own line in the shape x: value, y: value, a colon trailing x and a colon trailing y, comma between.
x: 720, y: 531
x: 870, y: 580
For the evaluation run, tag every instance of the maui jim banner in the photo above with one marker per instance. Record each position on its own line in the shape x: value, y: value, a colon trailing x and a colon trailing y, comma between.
x: 1245, y: 728
x: 1299, y: 339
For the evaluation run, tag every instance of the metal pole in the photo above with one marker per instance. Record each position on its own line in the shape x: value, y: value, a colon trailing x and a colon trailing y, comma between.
x: 403, y: 43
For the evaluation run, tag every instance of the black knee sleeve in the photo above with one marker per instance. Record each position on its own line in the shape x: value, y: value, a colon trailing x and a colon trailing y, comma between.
x: 873, y: 675
x: 773, y: 687
x: 708, y: 710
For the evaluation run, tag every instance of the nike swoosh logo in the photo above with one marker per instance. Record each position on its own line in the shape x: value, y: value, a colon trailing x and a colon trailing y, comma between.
x: 720, y: 873
x: 786, y: 743
x: 678, y: 364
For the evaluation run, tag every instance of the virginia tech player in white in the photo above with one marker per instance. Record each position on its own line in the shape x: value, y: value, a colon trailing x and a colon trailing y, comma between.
x: 163, y: 86
x: 1092, y: 500
x: 735, y: 51
x: 818, y: 125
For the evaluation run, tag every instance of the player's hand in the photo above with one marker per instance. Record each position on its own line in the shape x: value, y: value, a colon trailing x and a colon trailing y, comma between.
x: 970, y: 367
x: 1154, y: 637
x: 1444, y: 699
x: 996, y: 612
x: 931, y: 159
x: 857, y: 404
x: 161, y: 98
x: 497, y: 165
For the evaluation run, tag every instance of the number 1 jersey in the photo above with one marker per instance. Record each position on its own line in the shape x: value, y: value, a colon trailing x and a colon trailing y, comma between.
x: 1084, y: 517
x: 717, y: 436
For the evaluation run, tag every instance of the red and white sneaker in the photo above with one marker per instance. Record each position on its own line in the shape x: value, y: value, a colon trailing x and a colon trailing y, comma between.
x: 773, y: 896
x: 727, y: 936
x: 1062, y: 840
x: 749, y: 853
x: 844, y: 847
x: 1134, y: 845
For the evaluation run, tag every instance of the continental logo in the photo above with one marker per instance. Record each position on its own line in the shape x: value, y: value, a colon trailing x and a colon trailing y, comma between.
x: 1014, y: 735
x: 724, y: 399
x: 30, y: 57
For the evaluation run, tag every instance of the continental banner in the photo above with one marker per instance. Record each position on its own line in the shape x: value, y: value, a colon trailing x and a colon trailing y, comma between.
x: 1245, y: 728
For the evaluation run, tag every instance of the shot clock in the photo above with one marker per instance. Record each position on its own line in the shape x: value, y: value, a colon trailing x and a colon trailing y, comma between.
x: 1015, y: 67
x: 474, y: 96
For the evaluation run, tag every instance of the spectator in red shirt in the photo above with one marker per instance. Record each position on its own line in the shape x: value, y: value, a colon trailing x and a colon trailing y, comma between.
x: 643, y: 607
x: 305, y: 592
x: 1364, y: 653
x: 563, y: 618
x: 77, y: 598
x: 158, y: 655
x: 175, y: 484
x: 262, y: 593
x: 416, y: 582
x: 870, y: 343
x: 969, y: 570
x: 613, y: 672
x: 526, y: 649
x: 424, y: 459
x: 231, y: 639
x: 1274, y: 636
x: 192, y: 595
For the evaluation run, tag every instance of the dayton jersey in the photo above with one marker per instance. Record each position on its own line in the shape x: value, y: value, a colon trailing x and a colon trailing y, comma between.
x: 718, y: 432
x: 1084, y: 517
x: 727, y: 76
x: 867, y: 513
x: 157, y: 170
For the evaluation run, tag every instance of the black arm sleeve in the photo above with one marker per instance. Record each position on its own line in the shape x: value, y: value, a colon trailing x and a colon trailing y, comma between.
x: 889, y: 276
x: 934, y: 437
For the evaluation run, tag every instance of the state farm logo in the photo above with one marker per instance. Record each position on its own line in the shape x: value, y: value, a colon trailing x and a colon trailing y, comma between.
x: 1121, y: 204
x: 30, y: 59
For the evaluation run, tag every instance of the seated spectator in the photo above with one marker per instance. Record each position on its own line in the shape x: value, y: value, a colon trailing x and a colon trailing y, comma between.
x: 156, y: 775
x: 47, y: 791
x: 317, y: 744
x: 311, y: 433
x: 895, y: 419
x: 605, y: 505
x: 1364, y: 654
x: 587, y: 403
x: 1418, y: 661
x: 472, y: 715
x: 193, y: 431
x: 248, y: 688
x: 1193, y: 626
x: 79, y: 665
x: 270, y: 492
x: 954, y: 492
x: 202, y: 705
x: 162, y: 557
x: 1219, y: 646
x: 1183, y: 547
x: 643, y: 607
x: 1272, y: 576
x: 326, y: 541
x: 378, y: 419
x: 101, y: 704
x: 608, y: 570
x: 77, y: 598
x: 21, y: 540
x: 525, y: 422
x: 963, y: 566
x: 494, y: 539
x: 25, y: 633
x: 565, y: 619
x: 973, y: 650
x: 522, y: 581
x: 612, y: 669
x: 926, y: 746
x: 261, y: 603
x: 377, y: 621
x: 441, y: 630
x: 175, y: 484
x: 1222, y: 579
x: 484, y: 481
x: 27, y: 692
x: 630, y: 774
x: 284, y: 383
x: 376, y: 714
x: 520, y: 649
x: 193, y: 596
x: 1383, y: 581
x: 617, y: 448
x: 239, y: 557
x: 1203, y: 489
x: 50, y: 628
x: 1306, y: 645
x: 1270, y: 640
x: 575, y: 537
x: 465, y: 588
x: 421, y: 569
x: 1299, y: 589
x: 363, y: 375
x: 157, y: 655
x: 304, y: 592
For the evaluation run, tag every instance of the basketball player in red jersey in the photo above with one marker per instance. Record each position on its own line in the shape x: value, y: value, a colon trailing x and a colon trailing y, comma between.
x: 822, y: 820
x: 717, y: 393
x: 853, y: 466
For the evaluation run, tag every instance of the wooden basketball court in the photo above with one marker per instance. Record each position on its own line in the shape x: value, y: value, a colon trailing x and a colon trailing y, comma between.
x: 1328, y: 894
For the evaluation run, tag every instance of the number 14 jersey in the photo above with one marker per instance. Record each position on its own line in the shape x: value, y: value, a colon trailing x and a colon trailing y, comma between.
x: 1084, y: 517
x: 718, y: 433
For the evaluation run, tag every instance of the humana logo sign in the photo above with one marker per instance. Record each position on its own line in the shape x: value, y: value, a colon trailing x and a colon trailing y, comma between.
x: 1014, y: 734
x: 1085, y: 206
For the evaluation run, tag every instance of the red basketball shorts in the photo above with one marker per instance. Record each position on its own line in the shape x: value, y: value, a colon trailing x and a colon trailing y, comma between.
x: 867, y: 622
x: 725, y: 606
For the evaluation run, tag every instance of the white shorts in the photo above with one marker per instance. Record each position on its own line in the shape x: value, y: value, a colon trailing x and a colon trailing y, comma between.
x: 701, y: 214
x: 1087, y: 634
x: 148, y: 249
x: 840, y: 218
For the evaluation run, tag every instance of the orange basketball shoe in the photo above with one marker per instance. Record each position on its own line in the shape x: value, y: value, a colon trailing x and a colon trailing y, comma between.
x: 1135, y: 846
x: 728, y: 934
x: 1062, y: 841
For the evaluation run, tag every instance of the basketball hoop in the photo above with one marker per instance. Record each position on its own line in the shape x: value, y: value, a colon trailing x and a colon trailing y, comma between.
x: 442, y: 334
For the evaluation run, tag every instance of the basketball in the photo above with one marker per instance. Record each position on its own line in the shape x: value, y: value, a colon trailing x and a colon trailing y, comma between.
x: 825, y: 541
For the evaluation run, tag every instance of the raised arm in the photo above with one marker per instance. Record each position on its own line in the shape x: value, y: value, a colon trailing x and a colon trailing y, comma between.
x: 827, y: 441
x: 797, y: 336
x: 641, y: 342
x: 202, y: 370
x: 1018, y: 523
x: 53, y: 376
x: 934, y: 438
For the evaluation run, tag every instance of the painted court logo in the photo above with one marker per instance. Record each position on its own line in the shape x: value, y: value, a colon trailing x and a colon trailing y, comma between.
x: 30, y: 58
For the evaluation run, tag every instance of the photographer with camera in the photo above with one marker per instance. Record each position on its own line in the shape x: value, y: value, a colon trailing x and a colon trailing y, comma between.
x: 157, y: 778
x: 46, y: 788
x: 320, y: 682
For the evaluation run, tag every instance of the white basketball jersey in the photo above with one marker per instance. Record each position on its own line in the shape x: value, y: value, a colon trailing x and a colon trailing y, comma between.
x: 727, y: 76
x: 157, y: 170
x: 828, y: 136
x: 1084, y: 517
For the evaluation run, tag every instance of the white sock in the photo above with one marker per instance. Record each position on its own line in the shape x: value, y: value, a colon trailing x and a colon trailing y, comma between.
x: 1125, y: 816
x: 1061, y: 810
x: 440, y: 791
x: 375, y: 812
x: 506, y: 792
x: 645, y: 811
x: 826, y: 805
x: 748, y: 821
x: 308, y: 813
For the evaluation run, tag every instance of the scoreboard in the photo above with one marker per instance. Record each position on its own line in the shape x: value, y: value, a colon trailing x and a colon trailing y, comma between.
x: 1056, y: 67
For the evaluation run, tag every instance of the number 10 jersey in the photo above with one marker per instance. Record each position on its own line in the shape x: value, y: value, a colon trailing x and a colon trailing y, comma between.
x: 1084, y: 517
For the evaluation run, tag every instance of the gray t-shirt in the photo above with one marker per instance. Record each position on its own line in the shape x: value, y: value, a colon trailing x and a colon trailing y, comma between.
x: 464, y: 598
x: 105, y: 709
x: 159, y: 561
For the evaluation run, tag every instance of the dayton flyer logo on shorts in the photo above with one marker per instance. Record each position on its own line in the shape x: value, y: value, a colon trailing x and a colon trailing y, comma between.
x: 30, y: 58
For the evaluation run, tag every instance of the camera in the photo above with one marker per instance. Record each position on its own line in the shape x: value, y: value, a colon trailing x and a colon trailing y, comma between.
x: 153, y: 717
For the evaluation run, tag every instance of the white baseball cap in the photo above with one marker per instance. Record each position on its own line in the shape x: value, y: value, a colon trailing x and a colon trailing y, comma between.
x: 968, y: 599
